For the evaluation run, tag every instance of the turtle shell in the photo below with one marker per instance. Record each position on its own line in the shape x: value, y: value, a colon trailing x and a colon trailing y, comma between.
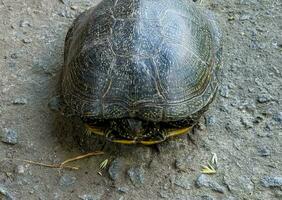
x: 155, y: 60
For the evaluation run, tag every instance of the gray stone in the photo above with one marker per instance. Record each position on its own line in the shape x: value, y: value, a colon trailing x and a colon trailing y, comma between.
x: 258, y: 119
x: 239, y: 184
x: 180, y: 164
x: 164, y: 194
x: 268, y: 127
x: 136, y: 175
x: 224, y: 91
x: 245, y: 184
x: 278, y: 117
x: 264, y: 151
x: 4, y: 192
x: 115, y: 169
x: 183, y: 182
x: 210, y: 120
x: 27, y: 40
x: 230, y: 198
x: 9, y: 136
x: 271, y: 181
x: 244, y: 17
x: 247, y: 122
x: 88, y: 197
x: 20, y: 169
x: 205, y: 181
x: 66, y: 2
x: 20, y: 101
x: 206, y: 197
x: 123, y: 189
x: 55, y: 195
x: 225, y: 108
x: 264, y: 98
x: 65, y: 13
x: 14, y: 56
x: 67, y: 180
x: 24, y: 23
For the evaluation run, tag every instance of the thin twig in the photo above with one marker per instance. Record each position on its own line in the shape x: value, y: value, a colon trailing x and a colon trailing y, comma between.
x: 81, y: 157
x: 49, y: 165
x: 63, y: 164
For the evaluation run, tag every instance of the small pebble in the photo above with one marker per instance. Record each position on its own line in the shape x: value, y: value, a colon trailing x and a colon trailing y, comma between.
x: 163, y: 194
x: 27, y: 40
x: 258, y: 120
x: 87, y: 197
x: 224, y: 91
x: 278, y: 117
x: 224, y: 108
x: 210, y: 120
x: 206, y: 197
x: 247, y: 122
x: 74, y: 7
x: 264, y: 99
x: 183, y: 182
x: 67, y: 180
x: 268, y: 127
x: 20, y: 169
x: 9, y: 136
x: 122, y: 189
x: 114, y: 169
x: 180, y: 164
x: 14, y: 56
x: 19, y: 101
x: 264, y: 151
x: 66, y: 2
x: 56, y: 196
x: 24, y: 23
x: 136, y: 175
x: 65, y: 13
x: 271, y: 181
x: 205, y: 181
x: 244, y: 17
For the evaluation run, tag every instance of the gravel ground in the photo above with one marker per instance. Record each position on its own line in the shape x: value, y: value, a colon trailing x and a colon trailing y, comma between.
x: 242, y: 127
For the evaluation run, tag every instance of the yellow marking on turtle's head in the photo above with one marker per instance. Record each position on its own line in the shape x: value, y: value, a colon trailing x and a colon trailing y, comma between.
x: 95, y: 130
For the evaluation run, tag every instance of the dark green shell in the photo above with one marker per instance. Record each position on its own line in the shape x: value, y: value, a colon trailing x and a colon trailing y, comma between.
x: 152, y: 59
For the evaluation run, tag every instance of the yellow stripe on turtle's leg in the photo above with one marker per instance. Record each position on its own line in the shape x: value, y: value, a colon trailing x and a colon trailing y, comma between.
x: 94, y: 130
x: 179, y: 131
x: 151, y: 142
x: 170, y: 134
x: 124, y: 141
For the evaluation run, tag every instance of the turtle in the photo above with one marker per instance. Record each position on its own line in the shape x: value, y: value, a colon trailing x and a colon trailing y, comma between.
x: 141, y: 71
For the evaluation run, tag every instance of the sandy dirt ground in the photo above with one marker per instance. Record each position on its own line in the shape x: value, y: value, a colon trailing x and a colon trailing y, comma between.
x: 243, y: 127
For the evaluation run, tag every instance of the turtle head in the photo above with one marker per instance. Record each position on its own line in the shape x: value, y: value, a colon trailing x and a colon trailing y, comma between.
x: 135, y: 126
x: 133, y: 130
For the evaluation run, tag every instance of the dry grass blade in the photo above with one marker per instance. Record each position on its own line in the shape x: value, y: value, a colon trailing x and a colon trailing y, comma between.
x: 104, y: 164
x: 214, y: 159
x: 96, y: 153
x: 208, y: 169
x: 49, y: 165
x: 63, y: 164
